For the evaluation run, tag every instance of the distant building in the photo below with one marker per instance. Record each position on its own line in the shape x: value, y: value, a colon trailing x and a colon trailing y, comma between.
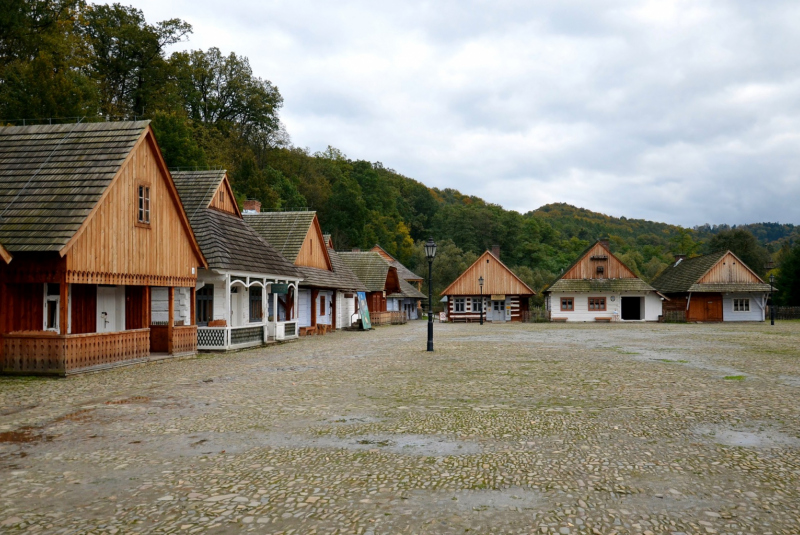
x: 599, y: 287
x: 713, y: 287
x: 504, y: 296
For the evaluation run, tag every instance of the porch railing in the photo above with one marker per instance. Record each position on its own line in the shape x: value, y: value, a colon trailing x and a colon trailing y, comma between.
x: 49, y: 353
x: 212, y: 338
x: 286, y: 330
x: 388, y: 318
x: 247, y: 336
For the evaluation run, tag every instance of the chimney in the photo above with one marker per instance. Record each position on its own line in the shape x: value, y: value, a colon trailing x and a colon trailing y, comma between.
x: 679, y: 258
x: 252, y: 206
x: 356, y: 250
x: 496, y: 251
x: 605, y: 243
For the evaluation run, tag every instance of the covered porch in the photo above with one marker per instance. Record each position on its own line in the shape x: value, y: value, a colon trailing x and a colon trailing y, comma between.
x: 62, y: 323
x: 240, y: 310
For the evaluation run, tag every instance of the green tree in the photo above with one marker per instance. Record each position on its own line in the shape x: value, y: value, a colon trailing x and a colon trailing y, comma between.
x: 787, y: 282
x: 744, y: 245
x: 176, y: 140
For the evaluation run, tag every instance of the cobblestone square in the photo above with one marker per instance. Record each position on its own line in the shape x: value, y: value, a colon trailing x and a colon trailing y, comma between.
x: 505, y: 428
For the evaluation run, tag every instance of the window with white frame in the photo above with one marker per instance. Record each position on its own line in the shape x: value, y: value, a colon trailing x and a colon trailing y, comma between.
x: 476, y: 304
x: 741, y: 305
x: 52, y: 301
x: 143, y: 211
x: 459, y: 304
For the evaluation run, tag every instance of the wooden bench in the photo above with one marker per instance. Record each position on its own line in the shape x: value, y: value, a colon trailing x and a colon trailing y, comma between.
x: 603, y: 320
x: 307, y: 331
x: 559, y: 320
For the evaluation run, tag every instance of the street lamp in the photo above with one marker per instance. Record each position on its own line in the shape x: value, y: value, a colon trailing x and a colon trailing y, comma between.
x: 480, y: 283
x: 430, y: 253
x: 771, y: 299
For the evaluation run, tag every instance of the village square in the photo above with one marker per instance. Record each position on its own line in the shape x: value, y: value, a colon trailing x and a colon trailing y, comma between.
x: 504, y: 428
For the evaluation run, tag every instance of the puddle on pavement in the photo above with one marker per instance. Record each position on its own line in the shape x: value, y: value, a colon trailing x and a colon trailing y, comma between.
x: 748, y: 438
x: 127, y: 401
x: 514, y: 498
x: 352, y: 420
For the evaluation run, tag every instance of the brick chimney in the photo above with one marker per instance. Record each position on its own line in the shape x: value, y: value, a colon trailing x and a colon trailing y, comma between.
x: 252, y: 206
x: 496, y: 251
x: 605, y: 243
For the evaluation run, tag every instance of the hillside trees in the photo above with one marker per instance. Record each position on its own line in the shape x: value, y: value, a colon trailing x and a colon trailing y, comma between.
x: 744, y: 245
x: 787, y: 282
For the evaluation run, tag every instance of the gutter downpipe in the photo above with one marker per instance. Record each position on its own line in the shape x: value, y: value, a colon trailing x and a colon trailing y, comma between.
x: 688, y: 301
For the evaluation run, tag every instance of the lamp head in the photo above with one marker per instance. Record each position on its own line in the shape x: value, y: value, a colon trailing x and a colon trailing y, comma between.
x: 430, y: 249
x: 480, y: 281
x: 772, y: 278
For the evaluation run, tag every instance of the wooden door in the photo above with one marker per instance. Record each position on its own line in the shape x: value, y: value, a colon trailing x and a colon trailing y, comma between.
x: 705, y: 307
x: 106, y: 309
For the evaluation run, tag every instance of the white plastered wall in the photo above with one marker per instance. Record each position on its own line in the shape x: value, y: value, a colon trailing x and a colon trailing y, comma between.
x: 160, y: 304
x: 652, y: 306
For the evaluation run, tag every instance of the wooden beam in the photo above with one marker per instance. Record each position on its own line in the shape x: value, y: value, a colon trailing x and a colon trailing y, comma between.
x: 314, y: 296
x: 192, y: 304
x: 5, y: 255
x: 170, y: 317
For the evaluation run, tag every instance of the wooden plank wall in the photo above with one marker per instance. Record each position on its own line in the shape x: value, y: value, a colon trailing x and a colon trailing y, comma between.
x: 498, y: 279
x: 223, y: 199
x: 729, y: 270
x: 24, y: 307
x: 84, y: 308
x: 113, y: 244
x: 518, y: 306
x: 586, y: 268
x: 313, y: 253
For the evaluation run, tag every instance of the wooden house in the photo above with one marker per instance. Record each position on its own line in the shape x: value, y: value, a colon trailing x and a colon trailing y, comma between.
x: 713, y: 287
x: 246, y: 295
x: 599, y: 287
x: 91, y: 226
x: 347, y: 308
x: 386, y: 291
x: 410, y: 305
x: 323, y: 294
x: 504, y: 296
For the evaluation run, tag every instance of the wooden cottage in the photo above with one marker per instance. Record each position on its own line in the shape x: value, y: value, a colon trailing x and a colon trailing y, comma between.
x: 599, y: 287
x: 246, y: 295
x: 504, y: 297
x: 713, y: 287
x: 347, y: 313
x: 410, y: 305
x: 91, y: 227
x: 386, y: 291
x: 323, y: 296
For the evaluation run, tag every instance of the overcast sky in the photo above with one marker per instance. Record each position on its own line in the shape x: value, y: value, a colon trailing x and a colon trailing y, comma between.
x: 680, y: 111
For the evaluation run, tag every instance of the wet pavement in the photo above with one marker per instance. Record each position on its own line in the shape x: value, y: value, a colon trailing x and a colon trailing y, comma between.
x: 534, y: 428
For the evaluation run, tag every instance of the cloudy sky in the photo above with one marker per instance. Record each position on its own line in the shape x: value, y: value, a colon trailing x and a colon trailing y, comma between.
x: 684, y: 111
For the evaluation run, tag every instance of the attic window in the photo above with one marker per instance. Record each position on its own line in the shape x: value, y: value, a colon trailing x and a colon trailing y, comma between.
x: 143, y: 207
x: 601, y: 269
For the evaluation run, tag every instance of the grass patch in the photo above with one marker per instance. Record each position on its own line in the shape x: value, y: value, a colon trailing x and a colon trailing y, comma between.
x: 734, y: 377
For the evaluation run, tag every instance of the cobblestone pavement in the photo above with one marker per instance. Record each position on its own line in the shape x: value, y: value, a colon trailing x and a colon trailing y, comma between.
x: 534, y: 428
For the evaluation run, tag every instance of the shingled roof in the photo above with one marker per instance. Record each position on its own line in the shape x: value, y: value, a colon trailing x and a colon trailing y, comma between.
x: 370, y: 267
x: 402, y: 271
x: 286, y: 231
x: 54, y: 175
x: 347, y: 279
x: 408, y: 290
x: 683, y: 277
x: 229, y: 243
x: 197, y: 188
x: 600, y: 285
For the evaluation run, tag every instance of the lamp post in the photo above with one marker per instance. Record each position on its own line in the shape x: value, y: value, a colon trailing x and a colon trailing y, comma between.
x: 771, y: 300
x: 430, y: 253
x: 480, y: 283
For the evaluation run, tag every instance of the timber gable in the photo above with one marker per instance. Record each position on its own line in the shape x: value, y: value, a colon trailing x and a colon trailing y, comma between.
x: 498, y: 279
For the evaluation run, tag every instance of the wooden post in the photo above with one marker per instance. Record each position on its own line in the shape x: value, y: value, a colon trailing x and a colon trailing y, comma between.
x: 148, y: 306
x: 170, y: 317
x: 314, y: 296
x: 63, y: 313
x: 333, y: 309
x: 193, y: 306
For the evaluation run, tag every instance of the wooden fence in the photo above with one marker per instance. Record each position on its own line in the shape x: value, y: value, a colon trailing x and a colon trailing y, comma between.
x: 536, y: 314
x: 674, y: 316
x: 388, y: 318
x: 785, y: 313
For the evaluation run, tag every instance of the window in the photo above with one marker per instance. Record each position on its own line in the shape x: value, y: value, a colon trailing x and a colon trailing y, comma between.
x: 205, y: 304
x: 256, y: 304
x: 143, y: 216
x: 476, y: 304
x: 52, y: 300
x: 597, y: 303
x: 741, y: 305
x: 567, y: 304
x: 321, y: 305
x: 459, y: 304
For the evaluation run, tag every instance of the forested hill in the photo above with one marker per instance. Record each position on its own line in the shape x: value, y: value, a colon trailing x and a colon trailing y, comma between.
x: 68, y: 59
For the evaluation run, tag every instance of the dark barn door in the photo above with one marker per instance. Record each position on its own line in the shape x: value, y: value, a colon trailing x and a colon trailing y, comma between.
x: 631, y: 308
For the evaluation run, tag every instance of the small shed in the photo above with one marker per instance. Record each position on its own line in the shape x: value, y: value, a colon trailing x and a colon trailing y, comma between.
x: 599, y: 287
x: 711, y: 288
x: 504, y: 296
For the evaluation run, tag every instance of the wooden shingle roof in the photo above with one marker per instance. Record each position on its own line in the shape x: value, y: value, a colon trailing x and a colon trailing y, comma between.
x: 687, y: 276
x: 286, y: 231
x: 408, y: 290
x: 402, y: 271
x: 197, y: 188
x: 53, y: 176
x: 347, y: 279
x: 370, y: 267
x: 229, y: 243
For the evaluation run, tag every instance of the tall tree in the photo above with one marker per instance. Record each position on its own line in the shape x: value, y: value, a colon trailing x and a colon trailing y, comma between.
x: 787, y: 282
